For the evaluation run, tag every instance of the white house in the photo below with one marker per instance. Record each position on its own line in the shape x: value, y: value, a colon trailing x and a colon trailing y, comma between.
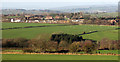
x: 36, y: 20
x: 12, y: 20
x: 75, y: 20
x: 16, y: 20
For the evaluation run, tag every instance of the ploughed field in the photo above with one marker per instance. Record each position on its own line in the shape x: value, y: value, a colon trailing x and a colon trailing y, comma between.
x: 32, y: 30
x: 56, y: 57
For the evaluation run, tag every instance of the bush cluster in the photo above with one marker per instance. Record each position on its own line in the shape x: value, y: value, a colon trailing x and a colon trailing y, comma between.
x: 18, y: 42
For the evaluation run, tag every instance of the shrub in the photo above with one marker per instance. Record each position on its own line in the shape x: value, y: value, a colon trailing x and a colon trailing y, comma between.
x: 18, y: 42
x: 63, y: 45
x: 52, y: 46
x: 21, y: 42
x: 108, y: 44
x: 28, y: 50
x: 89, y: 46
x: 75, y: 47
x: 38, y: 44
x: 8, y: 43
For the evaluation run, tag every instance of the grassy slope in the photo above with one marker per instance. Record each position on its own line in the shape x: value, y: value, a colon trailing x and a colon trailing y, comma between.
x: 105, y: 31
x: 56, y: 57
x: 11, y: 25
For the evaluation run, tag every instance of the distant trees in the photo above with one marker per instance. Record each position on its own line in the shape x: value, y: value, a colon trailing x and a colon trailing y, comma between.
x: 100, y: 20
x: 86, y: 17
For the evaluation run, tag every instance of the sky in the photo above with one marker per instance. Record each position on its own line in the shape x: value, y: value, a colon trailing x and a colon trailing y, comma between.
x: 59, y: 0
x: 46, y: 4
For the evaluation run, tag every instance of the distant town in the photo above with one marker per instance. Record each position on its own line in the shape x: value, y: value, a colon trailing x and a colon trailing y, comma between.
x: 74, y: 18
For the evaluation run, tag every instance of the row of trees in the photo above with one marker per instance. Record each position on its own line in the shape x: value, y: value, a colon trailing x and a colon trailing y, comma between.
x: 100, y: 22
x: 61, y: 45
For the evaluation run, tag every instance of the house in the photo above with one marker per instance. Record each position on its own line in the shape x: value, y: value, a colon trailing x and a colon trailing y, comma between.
x: 16, y: 20
x: 49, y: 18
x: 78, y: 20
x: 75, y: 20
x: 27, y: 17
x: 38, y: 17
x: 111, y: 21
x: 58, y: 18
x: 36, y: 20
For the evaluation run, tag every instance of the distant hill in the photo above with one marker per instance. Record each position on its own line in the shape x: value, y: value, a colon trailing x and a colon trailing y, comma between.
x: 20, y: 11
x: 69, y: 9
x: 92, y: 8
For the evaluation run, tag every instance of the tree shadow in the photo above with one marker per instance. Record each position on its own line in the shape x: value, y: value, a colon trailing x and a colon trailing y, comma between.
x: 88, y: 33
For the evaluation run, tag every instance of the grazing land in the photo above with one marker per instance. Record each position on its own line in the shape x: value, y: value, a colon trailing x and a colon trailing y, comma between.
x: 95, y: 32
x: 57, y: 57
x: 12, y: 25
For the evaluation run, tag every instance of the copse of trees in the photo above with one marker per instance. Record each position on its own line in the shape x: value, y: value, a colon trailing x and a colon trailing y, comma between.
x: 66, y: 37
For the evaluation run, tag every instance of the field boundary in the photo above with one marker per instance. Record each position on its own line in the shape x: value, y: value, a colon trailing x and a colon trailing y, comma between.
x: 57, y: 53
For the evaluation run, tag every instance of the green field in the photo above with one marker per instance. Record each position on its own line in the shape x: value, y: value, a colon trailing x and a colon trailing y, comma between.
x: 11, y: 25
x: 103, y: 31
x: 56, y: 57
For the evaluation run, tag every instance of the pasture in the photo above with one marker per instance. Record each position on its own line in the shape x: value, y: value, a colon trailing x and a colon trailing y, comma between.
x: 56, y: 57
x: 95, y: 32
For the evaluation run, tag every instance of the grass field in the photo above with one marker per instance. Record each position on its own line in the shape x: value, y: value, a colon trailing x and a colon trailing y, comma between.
x: 56, y: 57
x: 11, y: 25
x: 103, y: 31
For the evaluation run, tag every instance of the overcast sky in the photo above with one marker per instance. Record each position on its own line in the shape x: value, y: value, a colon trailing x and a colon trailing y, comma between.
x: 46, y: 4
x: 59, y: 0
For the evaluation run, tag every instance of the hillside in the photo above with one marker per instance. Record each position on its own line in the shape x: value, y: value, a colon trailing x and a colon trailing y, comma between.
x: 20, y: 11
x: 91, y: 8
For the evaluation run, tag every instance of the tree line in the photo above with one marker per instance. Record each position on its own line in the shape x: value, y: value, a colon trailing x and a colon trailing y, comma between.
x: 60, y: 43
